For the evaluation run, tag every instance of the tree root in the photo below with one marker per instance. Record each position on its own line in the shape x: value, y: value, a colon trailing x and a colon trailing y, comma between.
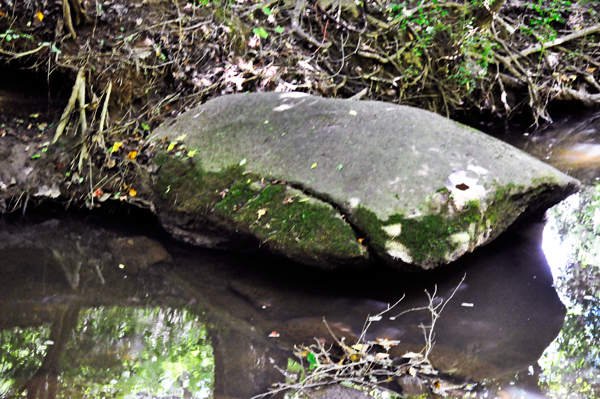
x: 78, y: 93
x: 73, y: 15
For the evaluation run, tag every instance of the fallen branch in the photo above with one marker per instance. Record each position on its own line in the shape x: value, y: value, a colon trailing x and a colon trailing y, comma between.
x: 587, y: 98
x: 559, y: 41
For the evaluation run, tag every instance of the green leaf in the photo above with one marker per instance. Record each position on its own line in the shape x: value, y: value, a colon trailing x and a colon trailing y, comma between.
x: 260, y: 32
x: 267, y: 11
x: 36, y: 156
x: 312, y: 360
x: 340, y: 166
x: 279, y: 29
x: 145, y: 126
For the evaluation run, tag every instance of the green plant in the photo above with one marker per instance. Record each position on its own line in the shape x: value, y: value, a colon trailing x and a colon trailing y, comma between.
x: 546, y: 15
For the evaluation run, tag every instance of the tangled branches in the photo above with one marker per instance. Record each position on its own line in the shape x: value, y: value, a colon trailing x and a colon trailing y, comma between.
x: 367, y: 364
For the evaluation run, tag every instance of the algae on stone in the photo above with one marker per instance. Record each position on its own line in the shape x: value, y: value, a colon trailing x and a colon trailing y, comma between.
x: 276, y: 216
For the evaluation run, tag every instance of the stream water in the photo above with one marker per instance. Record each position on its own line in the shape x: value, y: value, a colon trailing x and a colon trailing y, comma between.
x: 93, y: 308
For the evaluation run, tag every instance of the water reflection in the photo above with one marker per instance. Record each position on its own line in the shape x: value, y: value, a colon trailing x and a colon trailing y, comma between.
x: 86, y: 311
x: 571, y: 144
x: 572, y: 363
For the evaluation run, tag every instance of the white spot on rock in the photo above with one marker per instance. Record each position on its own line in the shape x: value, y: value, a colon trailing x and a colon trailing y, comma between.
x: 424, y: 171
x: 354, y: 202
x: 464, y: 189
x: 478, y: 169
x: 398, y: 251
x: 293, y: 94
x: 283, y: 107
x: 393, y: 230
x: 397, y: 180
x: 434, y: 149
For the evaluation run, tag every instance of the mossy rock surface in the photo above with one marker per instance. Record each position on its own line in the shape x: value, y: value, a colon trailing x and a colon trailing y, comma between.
x: 417, y: 189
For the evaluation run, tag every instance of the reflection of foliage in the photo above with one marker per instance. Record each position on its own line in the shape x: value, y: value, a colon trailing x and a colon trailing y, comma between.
x: 21, y: 354
x: 120, y: 351
x: 576, y: 357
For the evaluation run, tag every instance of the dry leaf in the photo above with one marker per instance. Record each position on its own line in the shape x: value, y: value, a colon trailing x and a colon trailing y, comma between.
x: 261, y: 212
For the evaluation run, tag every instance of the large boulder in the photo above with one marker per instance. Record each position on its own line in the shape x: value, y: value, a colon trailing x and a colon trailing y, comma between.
x: 335, y: 182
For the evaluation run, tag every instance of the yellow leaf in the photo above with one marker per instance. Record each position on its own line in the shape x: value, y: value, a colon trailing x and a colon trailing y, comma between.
x: 314, y: 165
x: 191, y: 153
x: 171, y: 146
x: 132, y: 155
x: 261, y: 212
x: 116, y: 146
x: 132, y: 193
x: 39, y: 16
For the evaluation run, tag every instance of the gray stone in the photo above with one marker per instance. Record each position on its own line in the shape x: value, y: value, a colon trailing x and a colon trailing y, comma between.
x: 415, y: 188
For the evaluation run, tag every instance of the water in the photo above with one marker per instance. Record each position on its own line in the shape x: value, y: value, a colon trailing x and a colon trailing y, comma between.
x: 90, y: 309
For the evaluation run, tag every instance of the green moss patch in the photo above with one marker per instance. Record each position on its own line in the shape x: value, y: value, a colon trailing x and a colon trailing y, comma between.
x: 436, y: 238
x: 283, y: 218
x: 428, y: 239
x: 286, y: 218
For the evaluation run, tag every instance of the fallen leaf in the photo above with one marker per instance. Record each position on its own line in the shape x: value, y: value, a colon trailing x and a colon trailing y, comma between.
x: 261, y: 212
x: 412, y: 355
x: 243, y: 162
x: 387, y: 343
x: 191, y: 153
x: 132, y: 193
x: 353, y: 112
x: 132, y: 155
x: 360, y: 347
x: 39, y: 16
x: 314, y: 165
x: 115, y: 146
x: 171, y: 146
x: 104, y: 197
